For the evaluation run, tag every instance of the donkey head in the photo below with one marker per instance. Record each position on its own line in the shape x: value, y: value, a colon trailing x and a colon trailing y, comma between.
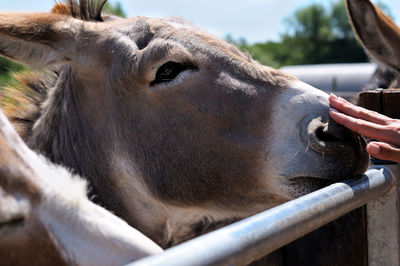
x: 381, y: 40
x: 171, y: 124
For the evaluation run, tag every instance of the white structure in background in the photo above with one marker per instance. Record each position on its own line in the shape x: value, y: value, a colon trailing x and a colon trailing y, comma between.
x: 343, y: 79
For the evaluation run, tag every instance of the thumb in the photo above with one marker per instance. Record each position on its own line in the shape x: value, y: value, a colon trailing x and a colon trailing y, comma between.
x: 384, y: 151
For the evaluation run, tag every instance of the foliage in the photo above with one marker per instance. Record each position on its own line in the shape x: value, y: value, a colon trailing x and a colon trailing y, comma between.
x: 114, y: 9
x: 340, y: 22
x: 315, y: 34
x: 6, y: 68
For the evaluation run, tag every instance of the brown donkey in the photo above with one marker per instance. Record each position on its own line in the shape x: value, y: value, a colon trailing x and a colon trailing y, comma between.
x: 380, y: 37
x: 176, y: 131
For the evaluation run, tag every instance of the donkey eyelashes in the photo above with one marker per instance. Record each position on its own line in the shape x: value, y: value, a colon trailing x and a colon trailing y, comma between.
x: 170, y: 70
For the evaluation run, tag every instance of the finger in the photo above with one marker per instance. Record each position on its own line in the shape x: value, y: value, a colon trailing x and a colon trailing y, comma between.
x: 365, y: 128
x: 384, y: 151
x: 345, y: 107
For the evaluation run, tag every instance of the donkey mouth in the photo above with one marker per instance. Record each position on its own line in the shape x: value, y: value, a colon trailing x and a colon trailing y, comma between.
x: 14, y: 222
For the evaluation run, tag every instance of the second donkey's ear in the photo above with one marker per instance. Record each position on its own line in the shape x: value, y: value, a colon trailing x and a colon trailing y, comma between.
x: 376, y: 31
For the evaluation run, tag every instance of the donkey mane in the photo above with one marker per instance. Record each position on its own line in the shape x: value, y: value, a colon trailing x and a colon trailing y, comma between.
x: 89, y: 10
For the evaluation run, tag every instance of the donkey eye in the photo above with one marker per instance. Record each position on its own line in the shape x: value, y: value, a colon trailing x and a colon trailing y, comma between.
x: 170, y: 71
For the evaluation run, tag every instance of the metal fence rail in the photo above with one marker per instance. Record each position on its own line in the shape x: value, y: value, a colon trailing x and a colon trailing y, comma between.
x: 254, y: 237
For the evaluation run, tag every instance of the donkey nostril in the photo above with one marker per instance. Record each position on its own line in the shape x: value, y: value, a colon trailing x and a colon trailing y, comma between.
x: 329, y: 137
x: 325, y: 134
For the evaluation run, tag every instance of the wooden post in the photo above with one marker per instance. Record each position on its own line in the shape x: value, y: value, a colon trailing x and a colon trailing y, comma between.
x: 383, y: 221
x: 372, y: 100
x: 386, y: 102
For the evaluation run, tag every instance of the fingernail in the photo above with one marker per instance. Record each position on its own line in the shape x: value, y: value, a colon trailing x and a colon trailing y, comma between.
x: 342, y: 99
x: 373, y: 149
x: 333, y: 96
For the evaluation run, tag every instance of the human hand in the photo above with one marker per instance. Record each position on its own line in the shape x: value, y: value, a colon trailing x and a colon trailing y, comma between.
x: 370, y: 124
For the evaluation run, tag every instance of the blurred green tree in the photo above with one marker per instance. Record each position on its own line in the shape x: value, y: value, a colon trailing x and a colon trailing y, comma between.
x: 312, y: 22
x: 340, y: 22
x: 315, y: 34
x: 114, y: 9
x: 6, y: 68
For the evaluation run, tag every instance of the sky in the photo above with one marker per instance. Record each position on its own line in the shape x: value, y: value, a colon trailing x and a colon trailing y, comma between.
x: 254, y: 20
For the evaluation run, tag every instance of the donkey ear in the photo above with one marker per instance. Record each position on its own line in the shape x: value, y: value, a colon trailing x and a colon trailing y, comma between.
x: 37, y: 39
x: 376, y: 31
